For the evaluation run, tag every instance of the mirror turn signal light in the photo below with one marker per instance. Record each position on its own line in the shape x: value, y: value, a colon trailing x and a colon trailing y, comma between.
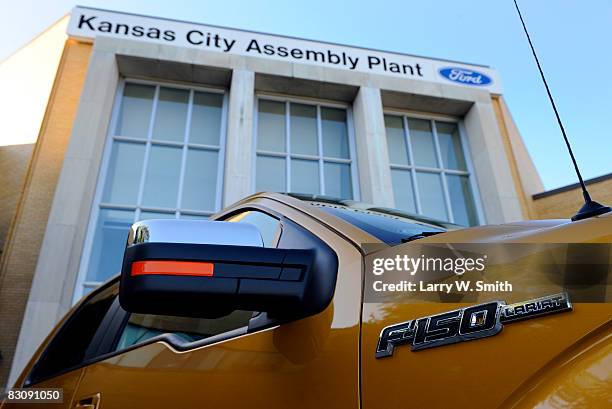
x: 172, y: 267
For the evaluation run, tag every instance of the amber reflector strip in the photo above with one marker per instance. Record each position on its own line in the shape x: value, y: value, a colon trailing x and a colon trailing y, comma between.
x: 173, y: 268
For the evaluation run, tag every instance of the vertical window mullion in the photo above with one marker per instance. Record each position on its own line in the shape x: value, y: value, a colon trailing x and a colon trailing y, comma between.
x: 449, y: 209
x: 320, y: 151
x: 352, y: 154
x: 179, y: 199
x: 471, y: 178
x: 287, y: 147
x: 145, y: 161
x: 221, y: 153
x: 255, y: 138
x: 415, y: 186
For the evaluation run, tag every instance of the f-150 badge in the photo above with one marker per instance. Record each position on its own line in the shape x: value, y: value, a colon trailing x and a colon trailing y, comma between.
x: 465, y: 324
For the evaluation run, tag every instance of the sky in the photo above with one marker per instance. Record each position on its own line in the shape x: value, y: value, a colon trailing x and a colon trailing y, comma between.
x: 570, y: 39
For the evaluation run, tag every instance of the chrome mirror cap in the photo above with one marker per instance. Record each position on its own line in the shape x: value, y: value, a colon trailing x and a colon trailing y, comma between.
x: 194, y: 232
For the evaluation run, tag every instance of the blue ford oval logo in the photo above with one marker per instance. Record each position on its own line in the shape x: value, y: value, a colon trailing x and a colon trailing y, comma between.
x: 465, y: 76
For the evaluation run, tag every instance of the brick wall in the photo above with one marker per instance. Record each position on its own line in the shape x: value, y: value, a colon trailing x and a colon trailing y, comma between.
x: 18, y: 262
x: 564, y: 202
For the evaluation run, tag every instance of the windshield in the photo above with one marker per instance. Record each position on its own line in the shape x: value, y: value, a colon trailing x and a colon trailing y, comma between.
x: 391, y: 226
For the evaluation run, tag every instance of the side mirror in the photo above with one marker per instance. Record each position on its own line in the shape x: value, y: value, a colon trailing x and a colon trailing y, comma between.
x: 207, y: 269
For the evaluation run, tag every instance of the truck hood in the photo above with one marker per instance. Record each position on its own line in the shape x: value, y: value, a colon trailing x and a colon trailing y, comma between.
x: 594, y: 230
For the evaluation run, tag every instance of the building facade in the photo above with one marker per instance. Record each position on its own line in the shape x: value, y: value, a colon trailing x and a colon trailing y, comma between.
x: 143, y: 117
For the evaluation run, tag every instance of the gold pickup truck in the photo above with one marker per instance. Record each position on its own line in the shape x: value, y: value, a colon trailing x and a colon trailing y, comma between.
x: 266, y: 306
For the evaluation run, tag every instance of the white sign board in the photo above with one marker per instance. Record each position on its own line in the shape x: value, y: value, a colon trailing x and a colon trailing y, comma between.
x: 88, y: 23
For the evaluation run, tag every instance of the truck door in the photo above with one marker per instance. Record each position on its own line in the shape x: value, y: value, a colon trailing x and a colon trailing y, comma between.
x: 161, y: 361
x: 60, y: 363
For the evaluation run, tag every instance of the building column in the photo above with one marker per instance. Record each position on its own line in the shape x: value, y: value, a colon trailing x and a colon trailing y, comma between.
x: 498, y: 195
x: 239, y: 143
x: 524, y: 172
x: 84, y: 130
x: 372, y: 156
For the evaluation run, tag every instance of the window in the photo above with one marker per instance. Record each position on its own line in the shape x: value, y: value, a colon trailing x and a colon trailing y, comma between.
x: 304, y: 148
x: 92, y: 331
x: 164, y: 160
x: 429, y: 169
x: 268, y: 226
x: 141, y: 327
x: 69, y: 347
x: 391, y: 226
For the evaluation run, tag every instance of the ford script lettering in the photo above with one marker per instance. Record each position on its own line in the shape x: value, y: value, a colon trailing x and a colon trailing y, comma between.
x: 465, y: 76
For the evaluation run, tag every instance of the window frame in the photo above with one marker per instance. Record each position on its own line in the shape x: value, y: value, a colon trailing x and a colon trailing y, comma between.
x: 108, y: 333
x: 254, y: 208
x: 97, y: 204
x: 287, y: 155
x: 441, y: 170
x: 94, y: 349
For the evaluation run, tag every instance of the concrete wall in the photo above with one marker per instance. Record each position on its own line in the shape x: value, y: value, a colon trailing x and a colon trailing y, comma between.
x: 564, y: 202
x: 25, y: 238
x: 491, y: 166
x: 371, y: 141
x: 526, y: 179
x: 239, y: 145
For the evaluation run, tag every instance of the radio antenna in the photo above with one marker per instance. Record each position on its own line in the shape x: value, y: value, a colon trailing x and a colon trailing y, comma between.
x: 590, y: 207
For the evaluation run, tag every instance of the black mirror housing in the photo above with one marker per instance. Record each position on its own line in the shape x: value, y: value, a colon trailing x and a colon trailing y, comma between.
x: 212, y: 280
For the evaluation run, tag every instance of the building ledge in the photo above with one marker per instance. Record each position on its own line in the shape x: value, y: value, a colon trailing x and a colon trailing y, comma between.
x: 571, y: 187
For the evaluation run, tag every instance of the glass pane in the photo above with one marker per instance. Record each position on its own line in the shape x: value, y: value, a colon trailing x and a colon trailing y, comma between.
x: 171, y: 114
x: 421, y: 141
x: 124, y: 171
x: 305, y: 176
x: 135, y: 112
x: 462, y: 200
x: 267, y: 225
x: 270, y: 176
x: 335, y: 134
x: 109, y: 243
x: 338, y: 180
x: 206, y: 118
x: 431, y: 195
x: 69, y: 345
x: 141, y: 327
x: 271, y: 126
x: 200, y: 180
x: 396, y: 140
x: 450, y: 146
x: 391, y: 226
x: 156, y: 215
x: 304, y: 129
x: 403, y: 190
x: 162, y: 178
